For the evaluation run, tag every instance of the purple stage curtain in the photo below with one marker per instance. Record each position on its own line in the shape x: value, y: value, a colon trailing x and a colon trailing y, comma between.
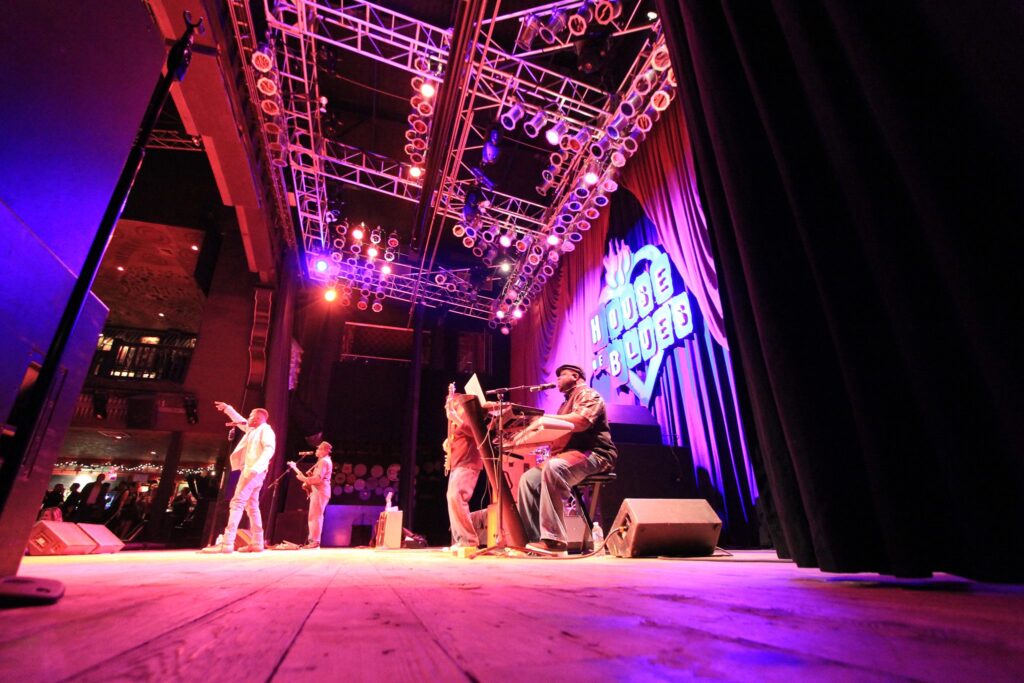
x: 695, y: 400
x: 861, y: 171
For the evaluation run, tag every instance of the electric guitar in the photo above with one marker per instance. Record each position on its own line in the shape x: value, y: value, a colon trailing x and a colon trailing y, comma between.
x: 306, y: 486
x: 449, y: 405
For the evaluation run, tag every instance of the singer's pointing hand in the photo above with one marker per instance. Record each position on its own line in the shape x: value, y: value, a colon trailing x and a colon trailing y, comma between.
x: 220, y: 405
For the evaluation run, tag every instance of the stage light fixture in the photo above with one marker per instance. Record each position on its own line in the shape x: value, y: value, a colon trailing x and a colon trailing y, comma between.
x: 468, y: 242
x: 609, y: 184
x: 357, y: 233
x: 418, y: 124
x: 377, y: 307
x: 592, y: 174
x: 591, y: 213
x: 321, y: 265
x: 376, y: 235
x: 646, y: 120
x: 600, y: 200
x: 267, y: 85
x: 555, y: 25
x: 512, y: 115
x: 363, y: 303
x: 553, y: 240
x: 415, y: 172
x: 577, y: 142
x: 631, y: 106
x: 393, y: 240
x: 614, y: 128
x: 572, y: 237
x: 385, y: 269
x: 372, y: 252
x: 270, y: 107
x: 330, y: 294
x: 600, y: 148
x: 607, y: 11
x: 662, y: 97
x: 528, y: 32
x: 489, y: 256
x: 263, y: 58
x: 523, y: 243
x: 618, y: 158
x: 505, y: 267
x: 505, y: 329
x: 660, y: 60
x: 459, y: 230
x: 500, y: 314
x: 556, y: 159
x: 517, y: 313
x: 544, y: 187
x: 535, y: 123
x: 579, y: 21
x: 507, y: 239
x: 554, y: 134
x: 574, y: 206
x: 478, y: 251
x: 644, y: 82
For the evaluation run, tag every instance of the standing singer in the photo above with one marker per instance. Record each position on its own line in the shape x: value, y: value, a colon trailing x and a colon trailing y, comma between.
x: 252, y: 456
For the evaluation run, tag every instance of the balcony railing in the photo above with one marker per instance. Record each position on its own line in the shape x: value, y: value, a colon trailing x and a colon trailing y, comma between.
x: 141, y: 362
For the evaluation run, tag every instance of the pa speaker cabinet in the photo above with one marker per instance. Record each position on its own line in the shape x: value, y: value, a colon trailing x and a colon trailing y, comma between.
x: 389, y: 530
x: 106, y: 540
x: 676, y: 527
x: 59, y: 538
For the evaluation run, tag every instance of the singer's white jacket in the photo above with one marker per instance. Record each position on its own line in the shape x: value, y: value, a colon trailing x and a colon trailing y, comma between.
x: 254, y: 452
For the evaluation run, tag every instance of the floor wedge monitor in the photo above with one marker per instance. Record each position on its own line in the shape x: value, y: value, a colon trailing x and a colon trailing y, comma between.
x: 673, y: 527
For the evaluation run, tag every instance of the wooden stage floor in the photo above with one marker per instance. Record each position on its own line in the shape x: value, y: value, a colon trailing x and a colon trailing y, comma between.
x: 422, y: 615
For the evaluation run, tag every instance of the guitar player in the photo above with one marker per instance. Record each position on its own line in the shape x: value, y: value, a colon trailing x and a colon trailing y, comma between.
x: 317, y: 485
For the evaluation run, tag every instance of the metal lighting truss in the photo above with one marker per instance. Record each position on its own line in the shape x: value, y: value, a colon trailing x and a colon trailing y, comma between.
x: 247, y: 42
x: 498, y: 77
x: 172, y: 139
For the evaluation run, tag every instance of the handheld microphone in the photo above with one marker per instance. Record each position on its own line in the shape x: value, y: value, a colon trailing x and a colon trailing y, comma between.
x: 303, y: 454
x: 235, y: 424
x: 542, y: 387
x: 231, y: 434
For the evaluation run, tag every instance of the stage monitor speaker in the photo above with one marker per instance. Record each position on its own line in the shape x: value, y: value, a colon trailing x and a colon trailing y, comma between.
x: 59, y: 538
x: 389, y: 530
x: 106, y: 540
x: 674, y: 527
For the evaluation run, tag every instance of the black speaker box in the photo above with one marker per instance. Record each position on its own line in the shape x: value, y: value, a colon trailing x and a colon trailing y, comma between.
x: 675, y: 527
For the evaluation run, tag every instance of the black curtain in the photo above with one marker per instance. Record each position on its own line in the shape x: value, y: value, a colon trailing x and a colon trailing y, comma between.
x: 861, y: 166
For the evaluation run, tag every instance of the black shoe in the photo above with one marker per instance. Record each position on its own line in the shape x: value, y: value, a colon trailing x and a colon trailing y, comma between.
x: 549, y: 548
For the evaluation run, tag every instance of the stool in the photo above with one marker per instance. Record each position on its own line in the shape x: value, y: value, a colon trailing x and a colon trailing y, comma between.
x: 594, y: 482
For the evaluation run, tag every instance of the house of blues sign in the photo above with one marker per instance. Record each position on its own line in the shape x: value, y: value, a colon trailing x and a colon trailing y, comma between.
x: 643, y: 312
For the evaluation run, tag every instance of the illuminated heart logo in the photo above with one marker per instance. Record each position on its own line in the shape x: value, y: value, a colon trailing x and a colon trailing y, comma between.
x: 641, y: 315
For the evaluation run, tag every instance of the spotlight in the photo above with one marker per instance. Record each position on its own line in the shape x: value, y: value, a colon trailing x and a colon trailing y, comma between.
x: 489, y: 256
x: 544, y: 188
x: 507, y: 239
x: 468, y: 242
x: 553, y: 240
x: 554, y: 134
x: 376, y: 235
x: 662, y: 97
x: 415, y: 172
x: 528, y: 32
x: 377, y: 307
x: 270, y: 107
x: 363, y: 303
x: 330, y: 294
x: 372, y: 252
x: 660, y: 60
x: 459, y: 230
x: 607, y: 11
x: 393, y: 240
x: 523, y: 243
x: 321, y: 265
x: 428, y: 89
x: 263, y: 59
x: 505, y: 267
x: 418, y: 124
x: 99, y: 405
x: 548, y: 174
x: 512, y: 115
x: 576, y: 142
x: 517, y: 313
x: 385, y: 269
x: 505, y: 329
x: 644, y: 83
x: 630, y: 106
x: 500, y: 315
x: 357, y: 233
x: 600, y: 148
x: 556, y: 24
x: 591, y: 176
x: 578, y: 22
x: 267, y: 85
x: 615, y: 127
x: 536, y: 122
